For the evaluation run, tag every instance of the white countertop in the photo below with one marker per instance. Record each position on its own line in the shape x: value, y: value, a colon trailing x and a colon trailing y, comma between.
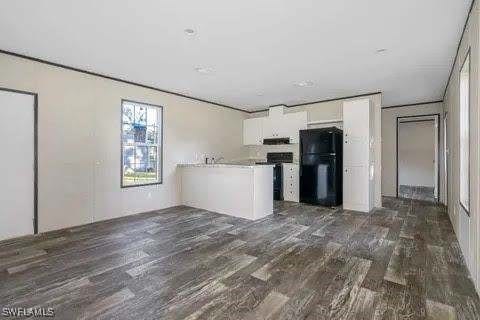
x: 222, y: 165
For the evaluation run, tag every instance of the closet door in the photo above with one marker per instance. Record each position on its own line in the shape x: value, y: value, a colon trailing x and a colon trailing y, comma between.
x: 17, y: 164
x: 355, y: 188
x: 356, y: 119
x: 354, y: 153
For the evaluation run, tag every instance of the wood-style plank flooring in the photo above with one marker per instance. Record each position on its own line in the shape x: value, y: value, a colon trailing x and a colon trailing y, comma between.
x: 417, y: 193
x: 304, y: 262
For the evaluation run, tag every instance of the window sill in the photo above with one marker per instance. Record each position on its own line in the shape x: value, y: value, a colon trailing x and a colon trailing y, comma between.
x: 141, y: 185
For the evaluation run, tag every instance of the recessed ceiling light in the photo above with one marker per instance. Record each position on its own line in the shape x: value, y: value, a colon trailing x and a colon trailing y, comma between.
x: 304, y: 84
x: 260, y: 94
x: 383, y: 50
x: 189, y: 32
x: 203, y: 70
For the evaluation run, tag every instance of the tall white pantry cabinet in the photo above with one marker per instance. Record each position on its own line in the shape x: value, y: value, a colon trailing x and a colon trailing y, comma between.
x: 358, y: 155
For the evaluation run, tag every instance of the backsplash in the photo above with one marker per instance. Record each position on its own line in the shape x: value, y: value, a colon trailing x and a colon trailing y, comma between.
x: 260, y: 152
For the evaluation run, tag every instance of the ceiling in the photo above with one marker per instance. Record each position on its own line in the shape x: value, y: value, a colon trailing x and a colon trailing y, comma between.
x: 255, y: 53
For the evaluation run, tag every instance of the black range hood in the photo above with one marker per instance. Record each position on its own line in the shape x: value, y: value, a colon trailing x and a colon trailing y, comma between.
x: 276, y: 141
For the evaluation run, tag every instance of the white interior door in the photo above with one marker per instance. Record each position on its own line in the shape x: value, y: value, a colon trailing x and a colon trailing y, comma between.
x: 17, y: 164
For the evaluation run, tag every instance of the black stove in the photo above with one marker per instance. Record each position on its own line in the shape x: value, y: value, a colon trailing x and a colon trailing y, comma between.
x: 277, y: 158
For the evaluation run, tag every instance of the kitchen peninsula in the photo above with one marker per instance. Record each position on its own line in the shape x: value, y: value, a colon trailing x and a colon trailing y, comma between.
x: 238, y: 190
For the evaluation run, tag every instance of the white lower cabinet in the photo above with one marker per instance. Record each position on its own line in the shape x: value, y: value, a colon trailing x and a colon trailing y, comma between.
x: 291, y: 182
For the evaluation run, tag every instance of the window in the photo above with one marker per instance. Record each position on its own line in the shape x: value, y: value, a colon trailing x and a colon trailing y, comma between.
x: 141, y: 144
x: 465, y: 134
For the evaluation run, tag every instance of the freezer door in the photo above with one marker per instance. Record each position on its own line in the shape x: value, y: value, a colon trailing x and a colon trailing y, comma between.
x: 317, y: 142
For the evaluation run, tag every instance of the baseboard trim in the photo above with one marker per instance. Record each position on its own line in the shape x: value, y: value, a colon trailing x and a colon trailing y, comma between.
x: 357, y: 207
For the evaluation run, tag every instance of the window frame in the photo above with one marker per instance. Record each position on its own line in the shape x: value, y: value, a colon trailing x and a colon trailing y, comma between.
x: 467, y: 56
x: 159, y: 145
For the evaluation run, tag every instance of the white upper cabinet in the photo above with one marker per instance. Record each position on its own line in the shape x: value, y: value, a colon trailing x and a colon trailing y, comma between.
x: 294, y: 122
x: 276, y: 125
x: 253, y: 131
x: 269, y: 128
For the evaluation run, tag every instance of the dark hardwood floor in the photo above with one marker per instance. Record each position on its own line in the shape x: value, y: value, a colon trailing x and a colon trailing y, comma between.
x: 304, y: 262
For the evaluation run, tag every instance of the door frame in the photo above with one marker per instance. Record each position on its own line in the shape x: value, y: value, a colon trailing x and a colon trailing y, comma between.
x: 437, y: 164
x: 35, y: 152
x: 446, y: 151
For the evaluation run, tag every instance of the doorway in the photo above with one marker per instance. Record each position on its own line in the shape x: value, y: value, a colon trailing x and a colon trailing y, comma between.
x: 418, y: 157
x: 18, y: 163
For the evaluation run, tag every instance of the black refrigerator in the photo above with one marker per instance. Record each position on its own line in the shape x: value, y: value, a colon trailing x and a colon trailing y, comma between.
x: 321, y: 166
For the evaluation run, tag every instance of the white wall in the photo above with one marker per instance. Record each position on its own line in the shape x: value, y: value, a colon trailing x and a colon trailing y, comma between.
x: 466, y: 227
x: 79, y: 146
x: 416, y: 153
x: 328, y: 111
x: 389, y: 143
